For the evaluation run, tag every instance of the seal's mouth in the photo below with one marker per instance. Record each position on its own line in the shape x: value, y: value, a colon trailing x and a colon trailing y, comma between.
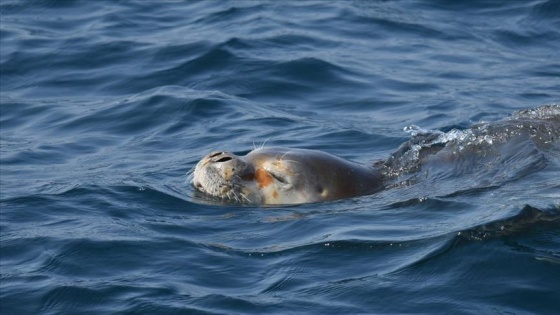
x: 198, y: 185
x: 220, y: 188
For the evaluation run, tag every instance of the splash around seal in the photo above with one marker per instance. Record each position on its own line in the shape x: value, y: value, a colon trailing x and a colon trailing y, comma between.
x: 283, y: 176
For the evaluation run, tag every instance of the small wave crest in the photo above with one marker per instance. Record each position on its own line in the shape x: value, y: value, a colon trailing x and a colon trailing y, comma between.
x: 534, y: 130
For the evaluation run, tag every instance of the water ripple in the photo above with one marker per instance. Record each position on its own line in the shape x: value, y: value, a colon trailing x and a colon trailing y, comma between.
x: 105, y: 107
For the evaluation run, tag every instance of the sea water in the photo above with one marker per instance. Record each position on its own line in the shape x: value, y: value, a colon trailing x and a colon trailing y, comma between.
x: 107, y: 105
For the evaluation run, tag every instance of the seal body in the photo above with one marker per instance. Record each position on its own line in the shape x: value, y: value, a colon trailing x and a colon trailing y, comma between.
x: 292, y: 176
x: 283, y: 176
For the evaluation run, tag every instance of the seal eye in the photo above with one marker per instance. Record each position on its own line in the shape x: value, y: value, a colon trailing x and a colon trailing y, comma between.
x: 279, y: 178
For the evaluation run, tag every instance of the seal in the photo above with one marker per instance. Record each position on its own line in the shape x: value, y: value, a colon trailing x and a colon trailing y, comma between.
x: 283, y: 176
x: 294, y: 176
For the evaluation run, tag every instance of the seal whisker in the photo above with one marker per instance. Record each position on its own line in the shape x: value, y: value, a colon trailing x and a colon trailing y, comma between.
x: 265, y: 141
x: 293, y: 161
x: 243, y: 195
x: 281, y: 158
x: 238, y: 199
x: 287, y: 152
x: 191, y: 171
x: 228, y: 196
x: 232, y: 196
x: 235, y: 196
x: 238, y: 196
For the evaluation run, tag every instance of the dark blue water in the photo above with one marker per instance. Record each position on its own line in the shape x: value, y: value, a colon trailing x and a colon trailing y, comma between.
x: 107, y: 105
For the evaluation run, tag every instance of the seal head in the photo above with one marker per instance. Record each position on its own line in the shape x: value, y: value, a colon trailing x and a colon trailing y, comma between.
x: 283, y: 176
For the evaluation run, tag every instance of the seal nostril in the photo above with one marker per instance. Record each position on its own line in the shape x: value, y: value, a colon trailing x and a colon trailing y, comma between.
x: 224, y: 159
x: 215, y: 154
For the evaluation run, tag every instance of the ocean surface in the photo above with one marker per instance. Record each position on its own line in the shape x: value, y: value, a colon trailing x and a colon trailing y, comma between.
x: 106, y: 107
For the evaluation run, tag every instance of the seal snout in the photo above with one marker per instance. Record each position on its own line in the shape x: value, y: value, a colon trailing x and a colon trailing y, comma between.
x: 225, y: 163
x: 221, y: 173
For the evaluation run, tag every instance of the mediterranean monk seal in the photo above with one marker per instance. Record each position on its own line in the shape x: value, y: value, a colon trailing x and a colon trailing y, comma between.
x: 293, y: 176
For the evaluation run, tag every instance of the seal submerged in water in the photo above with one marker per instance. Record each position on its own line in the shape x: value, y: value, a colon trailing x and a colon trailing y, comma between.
x: 283, y: 176
x: 294, y: 176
